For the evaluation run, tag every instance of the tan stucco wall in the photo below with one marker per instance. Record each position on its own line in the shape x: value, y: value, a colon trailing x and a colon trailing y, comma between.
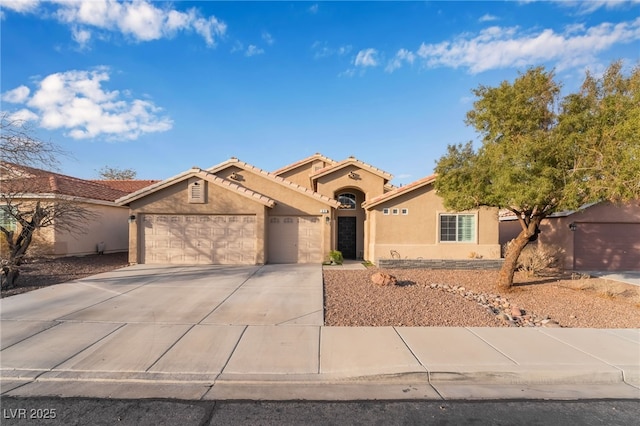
x: 109, y: 225
x: 416, y: 234
x: 174, y: 200
x: 302, y: 175
x: 369, y: 183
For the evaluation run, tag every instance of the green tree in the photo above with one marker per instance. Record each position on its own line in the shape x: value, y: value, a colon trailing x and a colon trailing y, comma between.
x: 114, y: 173
x: 542, y: 153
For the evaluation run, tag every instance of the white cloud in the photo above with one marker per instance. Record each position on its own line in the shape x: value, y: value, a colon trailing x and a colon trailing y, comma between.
x: 141, y: 20
x: 314, y: 8
x: 23, y: 115
x: 402, y: 56
x: 586, y: 7
x: 324, y: 51
x: 366, y: 58
x: 253, y: 50
x: 268, y: 38
x: 487, y: 18
x: 20, y: 6
x: 81, y: 36
x: 77, y: 102
x: 497, y: 47
x: 17, y: 95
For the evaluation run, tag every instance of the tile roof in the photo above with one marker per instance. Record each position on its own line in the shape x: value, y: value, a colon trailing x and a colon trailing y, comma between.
x: 399, y: 191
x: 246, y: 166
x: 127, y: 186
x: 24, y: 179
x: 351, y: 161
x: 314, y: 157
x: 204, y: 174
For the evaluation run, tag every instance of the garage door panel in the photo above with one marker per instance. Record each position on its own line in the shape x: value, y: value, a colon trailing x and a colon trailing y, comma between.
x: 607, y: 246
x: 198, y: 239
x: 295, y: 239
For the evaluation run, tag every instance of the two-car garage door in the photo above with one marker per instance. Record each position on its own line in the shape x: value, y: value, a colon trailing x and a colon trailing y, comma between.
x: 199, y: 239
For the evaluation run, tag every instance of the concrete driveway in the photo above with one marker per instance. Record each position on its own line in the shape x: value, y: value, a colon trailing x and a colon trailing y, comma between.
x: 628, y: 277
x: 224, y: 295
x: 164, y: 323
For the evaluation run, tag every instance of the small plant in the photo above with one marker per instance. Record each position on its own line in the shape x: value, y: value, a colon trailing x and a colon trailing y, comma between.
x: 535, y: 258
x: 474, y: 255
x: 335, y: 256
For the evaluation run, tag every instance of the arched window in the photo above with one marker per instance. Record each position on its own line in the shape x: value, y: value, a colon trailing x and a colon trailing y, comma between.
x: 347, y: 201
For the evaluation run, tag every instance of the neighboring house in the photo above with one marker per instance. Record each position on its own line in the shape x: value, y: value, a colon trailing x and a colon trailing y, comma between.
x: 597, y: 237
x: 108, y: 221
x: 235, y: 213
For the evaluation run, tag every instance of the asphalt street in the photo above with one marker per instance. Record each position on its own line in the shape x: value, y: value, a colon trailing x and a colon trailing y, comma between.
x: 85, y: 411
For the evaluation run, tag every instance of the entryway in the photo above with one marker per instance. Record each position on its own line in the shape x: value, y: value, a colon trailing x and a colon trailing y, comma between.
x: 347, y: 236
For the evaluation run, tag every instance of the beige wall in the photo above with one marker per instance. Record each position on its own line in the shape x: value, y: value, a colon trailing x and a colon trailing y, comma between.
x: 109, y: 225
x: 416, y: 234
x: 174, y: 200
x: 369, y: 183
x: 302, y: 175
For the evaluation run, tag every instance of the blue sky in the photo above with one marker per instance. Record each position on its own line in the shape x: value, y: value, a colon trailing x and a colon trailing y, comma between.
x: 159, y: 87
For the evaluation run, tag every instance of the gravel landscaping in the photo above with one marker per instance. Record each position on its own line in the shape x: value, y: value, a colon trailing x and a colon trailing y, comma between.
x: 427, y: 298
x: 430, y: 298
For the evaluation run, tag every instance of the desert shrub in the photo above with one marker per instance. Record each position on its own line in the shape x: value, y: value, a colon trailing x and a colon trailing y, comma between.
x: 335, y: 256
x: 536, y: 258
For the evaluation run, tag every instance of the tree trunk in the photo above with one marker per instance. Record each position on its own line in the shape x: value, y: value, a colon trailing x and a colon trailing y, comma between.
x: 10, y: 276
x: 505, y: 277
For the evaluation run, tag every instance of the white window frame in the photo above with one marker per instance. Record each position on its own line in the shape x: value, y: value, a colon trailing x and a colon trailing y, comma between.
x: 385, y: 211
x: 404, y: 211
x: 472, y: 240
x: 395, y: 211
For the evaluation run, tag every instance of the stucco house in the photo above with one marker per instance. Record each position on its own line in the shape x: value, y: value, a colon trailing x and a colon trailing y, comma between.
x: 107, y: 222
x: 597, y: 237
x: 236, y: 213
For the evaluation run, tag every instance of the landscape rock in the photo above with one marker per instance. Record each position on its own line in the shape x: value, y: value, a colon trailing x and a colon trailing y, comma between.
x: 383, y: 279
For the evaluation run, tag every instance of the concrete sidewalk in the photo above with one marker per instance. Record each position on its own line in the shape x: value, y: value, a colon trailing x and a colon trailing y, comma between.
x: 257, y: 333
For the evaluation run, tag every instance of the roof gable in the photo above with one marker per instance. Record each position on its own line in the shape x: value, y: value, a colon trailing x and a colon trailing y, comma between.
x: 315, y: 157
x: 428, y: 180
x: 197, y: 172
x: 234, y: 162
x: 351, y: 161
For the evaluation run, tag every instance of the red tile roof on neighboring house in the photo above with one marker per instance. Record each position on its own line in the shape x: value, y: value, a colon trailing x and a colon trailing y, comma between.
x: 24, y: 179
x: 127, y: 186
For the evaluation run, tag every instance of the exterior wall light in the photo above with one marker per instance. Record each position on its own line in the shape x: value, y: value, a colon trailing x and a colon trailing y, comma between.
x: 132, y: 218
x: 327, y: 220
x: 573, y: 226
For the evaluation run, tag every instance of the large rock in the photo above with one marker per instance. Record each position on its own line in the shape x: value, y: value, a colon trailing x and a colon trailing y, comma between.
x: 381, y: 278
